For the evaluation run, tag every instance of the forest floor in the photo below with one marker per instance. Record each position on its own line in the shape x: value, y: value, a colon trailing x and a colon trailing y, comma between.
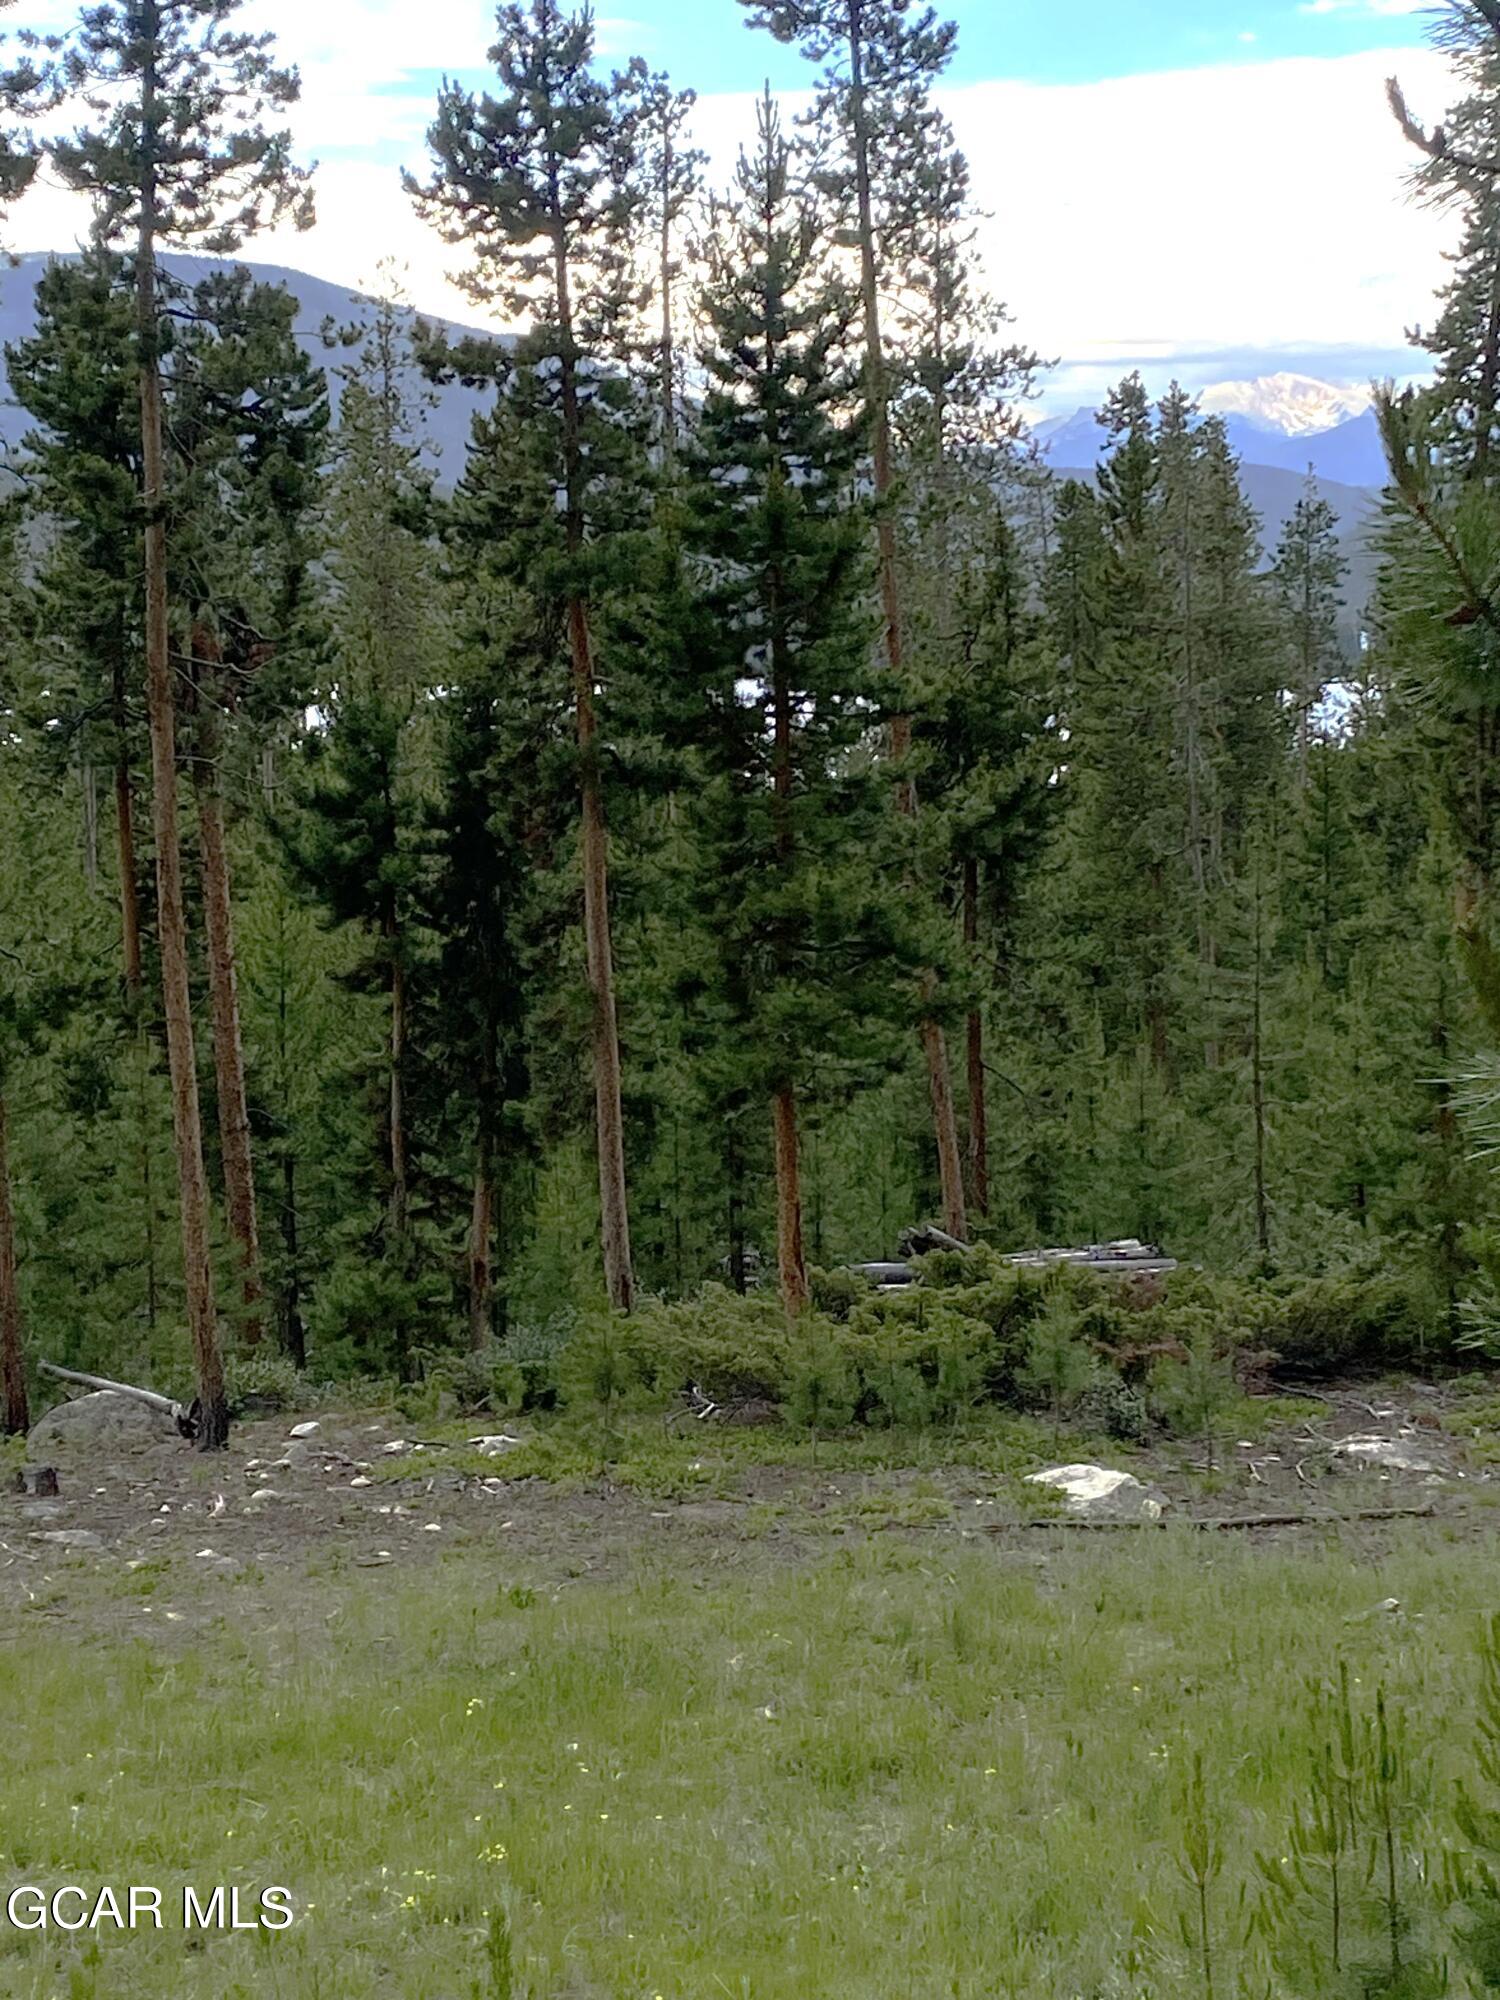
x: 739, y: 1714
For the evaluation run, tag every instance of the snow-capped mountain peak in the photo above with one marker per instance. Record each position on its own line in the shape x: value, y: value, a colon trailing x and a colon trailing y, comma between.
x: 1288, y: 405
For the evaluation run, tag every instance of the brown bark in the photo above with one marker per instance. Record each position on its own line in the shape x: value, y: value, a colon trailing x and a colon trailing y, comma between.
x: 89, y: 781
x: 609, y: 1115
x: 734, y: 1182
x: 614, y: 1214
x: 979, y: 1115
x: 1258, y: 1092
x: 791, y: 1258
x: 130, y: 909
x: 15, y: 1416
x: 668, y: 387
x: 934, y: 1041
x: 187, y: 1124
x: 229, y: 1051
x: 481, y: 1233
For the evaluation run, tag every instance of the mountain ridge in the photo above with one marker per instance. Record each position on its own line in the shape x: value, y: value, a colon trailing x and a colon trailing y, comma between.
x: 1344, y: 459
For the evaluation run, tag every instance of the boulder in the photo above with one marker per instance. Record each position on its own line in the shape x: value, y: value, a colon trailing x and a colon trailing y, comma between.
x: 104, y: 1421
x: 1098, y: 1493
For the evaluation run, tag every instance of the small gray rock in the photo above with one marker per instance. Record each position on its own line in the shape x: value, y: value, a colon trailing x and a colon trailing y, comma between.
x: 73, y: 1538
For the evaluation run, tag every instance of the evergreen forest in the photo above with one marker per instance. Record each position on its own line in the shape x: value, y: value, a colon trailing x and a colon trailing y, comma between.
x: 756, y: 807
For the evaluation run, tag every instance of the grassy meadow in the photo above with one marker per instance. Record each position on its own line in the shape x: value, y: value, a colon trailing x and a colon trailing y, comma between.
x: 893, y: 1771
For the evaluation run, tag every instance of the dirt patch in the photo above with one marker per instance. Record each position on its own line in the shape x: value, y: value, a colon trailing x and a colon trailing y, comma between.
x: 176, y: 1538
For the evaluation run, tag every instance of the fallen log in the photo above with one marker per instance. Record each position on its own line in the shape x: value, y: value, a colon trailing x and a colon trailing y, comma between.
x: 185, y: 1417
x: 1221, y: 1522
x: 927, y: 1237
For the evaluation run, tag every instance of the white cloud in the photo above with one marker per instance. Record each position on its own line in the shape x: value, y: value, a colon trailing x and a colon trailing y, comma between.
x: 1385, y: 9
x: 1255, y: 205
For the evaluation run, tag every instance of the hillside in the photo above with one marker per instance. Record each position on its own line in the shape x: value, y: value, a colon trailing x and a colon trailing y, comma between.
x: 444, y: 416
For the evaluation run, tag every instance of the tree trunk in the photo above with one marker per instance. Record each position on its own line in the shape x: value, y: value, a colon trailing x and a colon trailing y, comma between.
x: 609, y: 1115
x: 229, y: 1051
x: 791, y: 1258
x: 130, y: 909
x: 89, y: 781
x: 15, y: 1417
x: 130, y: 952
x: 979, y: 1114
x: 187, y: 1124
x: 734, y: 1181
x: 614, y: 1212
x: 1258, y: 1088
x: 481, y: 1232
x: 934, y: 1041
x: 668, y: 359
x: 293, y: 1334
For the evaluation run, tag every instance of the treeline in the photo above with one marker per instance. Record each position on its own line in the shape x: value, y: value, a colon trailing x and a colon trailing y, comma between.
x: 754, y: 808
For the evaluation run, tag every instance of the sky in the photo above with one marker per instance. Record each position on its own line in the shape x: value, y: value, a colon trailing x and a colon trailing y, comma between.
x: 1204, y: 189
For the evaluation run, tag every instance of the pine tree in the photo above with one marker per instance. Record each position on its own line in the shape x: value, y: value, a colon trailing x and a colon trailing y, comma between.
x: 1309, y: 573
x: 477, y: 905
x: 878, y: 131
x: 956, y: 391
x: 75, y: 377
x: 177, y: 157
x: 248, y: 415
x: 986, y: 756
x: 544, y: 184
x: 776, y: 649
x: 673, y: 172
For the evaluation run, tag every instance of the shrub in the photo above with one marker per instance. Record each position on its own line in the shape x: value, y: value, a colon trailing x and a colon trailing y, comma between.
x: 262, y: 1378
x: 484, y: 1379
x: 1059, y: 1364
x: 374, y: 1318
x: 1328, y: 1326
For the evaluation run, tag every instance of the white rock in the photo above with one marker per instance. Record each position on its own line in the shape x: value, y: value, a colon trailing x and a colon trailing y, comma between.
x: 361, y: 1481
x: 263, y: 1493
x: 1097, y: 1492
x: 395, y: 1445
x: 306, y: 1430
x: 493, y: 1447
x: 1389, y: 1452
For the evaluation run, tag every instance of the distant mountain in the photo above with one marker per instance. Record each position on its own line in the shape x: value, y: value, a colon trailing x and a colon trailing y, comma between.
x: 1279, y: 426
x: 1348, y: 451
x: 1287, y: 405
x: 444, y: 417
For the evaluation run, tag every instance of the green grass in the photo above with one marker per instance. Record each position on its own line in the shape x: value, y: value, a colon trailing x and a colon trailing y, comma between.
x: 893, y: 1774
x: 672, y: 1459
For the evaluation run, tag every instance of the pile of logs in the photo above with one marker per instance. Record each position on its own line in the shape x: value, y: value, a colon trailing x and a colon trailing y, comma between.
x: 1126, y: 1257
